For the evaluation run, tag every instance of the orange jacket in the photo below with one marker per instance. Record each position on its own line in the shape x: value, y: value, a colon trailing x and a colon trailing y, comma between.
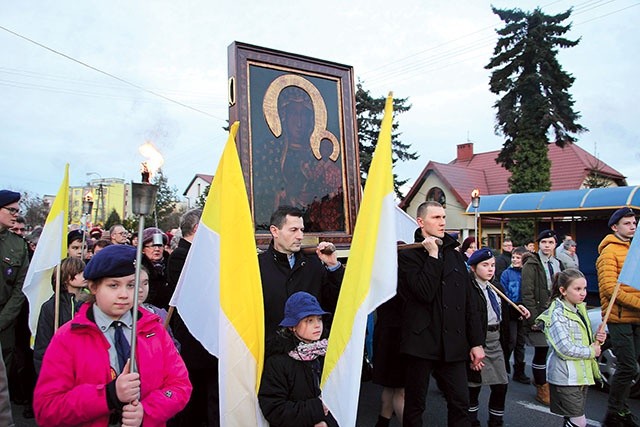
x: 626, y: 307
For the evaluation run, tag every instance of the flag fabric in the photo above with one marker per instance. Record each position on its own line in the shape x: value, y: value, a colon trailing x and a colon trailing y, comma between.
x: 219, y: 293
x: 51, y: 249
x: 630, y: 273
x: 370, y: 279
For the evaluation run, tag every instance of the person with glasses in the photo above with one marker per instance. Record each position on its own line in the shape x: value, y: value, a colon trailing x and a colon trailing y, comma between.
x: 154, y: 258
x: 118, y: 234
x: 14, y: 261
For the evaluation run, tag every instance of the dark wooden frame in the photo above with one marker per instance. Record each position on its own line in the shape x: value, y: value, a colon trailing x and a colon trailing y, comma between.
x: 245, y: 59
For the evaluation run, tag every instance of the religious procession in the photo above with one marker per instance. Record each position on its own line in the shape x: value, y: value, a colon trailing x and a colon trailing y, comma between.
x: 303, y: 284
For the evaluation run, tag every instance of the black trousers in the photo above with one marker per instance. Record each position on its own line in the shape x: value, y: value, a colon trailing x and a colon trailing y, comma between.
x: 452, y: 379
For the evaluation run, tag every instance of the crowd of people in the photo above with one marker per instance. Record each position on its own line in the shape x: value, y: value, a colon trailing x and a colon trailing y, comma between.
x: 461, y: 314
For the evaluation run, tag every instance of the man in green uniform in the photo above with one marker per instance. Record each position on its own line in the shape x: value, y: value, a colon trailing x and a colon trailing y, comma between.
x: 14, y: 261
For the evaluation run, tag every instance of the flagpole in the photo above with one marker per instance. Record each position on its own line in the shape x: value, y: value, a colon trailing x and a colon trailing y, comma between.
x: 614, y: 295
x: 56, y: 314
x: 506, y: 298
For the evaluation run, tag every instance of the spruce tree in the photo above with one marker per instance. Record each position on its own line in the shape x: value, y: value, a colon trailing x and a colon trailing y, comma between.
x: 535, y: 107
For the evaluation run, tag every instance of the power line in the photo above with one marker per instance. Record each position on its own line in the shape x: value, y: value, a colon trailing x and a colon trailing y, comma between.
x: 159, y: 95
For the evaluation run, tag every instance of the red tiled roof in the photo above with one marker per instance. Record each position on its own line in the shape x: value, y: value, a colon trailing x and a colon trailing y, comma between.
x: 569, y: 168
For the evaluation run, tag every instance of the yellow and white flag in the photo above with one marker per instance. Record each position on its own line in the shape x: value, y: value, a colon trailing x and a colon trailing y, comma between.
x: 51, y: 249
x: 219, y: 293
x: 370, y: 279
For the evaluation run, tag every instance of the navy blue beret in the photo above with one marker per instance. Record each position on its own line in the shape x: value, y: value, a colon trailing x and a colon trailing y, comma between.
x: 479, y: 256
x: 619, y: 214
x: 545, y: 234
x: 7, y: 197
x: 112, y: 261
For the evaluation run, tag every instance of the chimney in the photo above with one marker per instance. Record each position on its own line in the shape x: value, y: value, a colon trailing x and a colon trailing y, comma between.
x: 465, y: 152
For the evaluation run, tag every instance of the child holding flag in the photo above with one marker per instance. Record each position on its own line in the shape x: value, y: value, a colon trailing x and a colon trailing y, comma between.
x: 571, y: 366
x: 85, y: 378
x: 290, y: 388
x: 492, y: 371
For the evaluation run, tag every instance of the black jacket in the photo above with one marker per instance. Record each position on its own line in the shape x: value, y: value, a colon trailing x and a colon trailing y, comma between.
x: 475, y: 376
x: 289, y: 394
x: 279, y: 281
x: 503, y: 261
x: 441, y: 319
x: 68, y: 307
x: 159, y: 291
x: 195, y: 356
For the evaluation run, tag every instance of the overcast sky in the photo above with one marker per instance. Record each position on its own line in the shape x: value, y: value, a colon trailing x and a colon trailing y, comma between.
x: 54, y: 110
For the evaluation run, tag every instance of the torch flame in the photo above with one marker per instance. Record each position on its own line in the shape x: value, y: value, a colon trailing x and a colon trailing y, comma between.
x: 88, y: 196
x: 475, y: 192
x: 154, y: 158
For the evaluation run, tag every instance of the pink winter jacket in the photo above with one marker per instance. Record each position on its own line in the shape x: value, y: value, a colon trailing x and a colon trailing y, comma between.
x: 71, y: 388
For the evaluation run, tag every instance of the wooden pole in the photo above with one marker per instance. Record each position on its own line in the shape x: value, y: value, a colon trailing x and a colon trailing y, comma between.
x: 168, y: 318
x: 56, y: 314
x: 614, y: 295
x: 506, y: 298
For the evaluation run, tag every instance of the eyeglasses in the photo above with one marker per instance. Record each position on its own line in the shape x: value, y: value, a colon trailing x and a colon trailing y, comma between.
x: 12, y: 211
x: 154, y: 246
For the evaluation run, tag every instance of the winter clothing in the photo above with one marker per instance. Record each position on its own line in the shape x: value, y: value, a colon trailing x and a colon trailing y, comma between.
x: 289, y: 393
x: 76, y: 376
x: 68, y: 307
x: 14, y: 261
x: 440, y: 324
x: 6, y: 417
x: 159, y: 290
x: 280, y: 281
x: 439, y: 304
x: 503, y: 261
x: 626, y: 308
x: 147, y: 235
x: 572, y: 358
x: 535, y: 292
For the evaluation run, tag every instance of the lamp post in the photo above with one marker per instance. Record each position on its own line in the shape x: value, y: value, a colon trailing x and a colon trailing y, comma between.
x: 100, y: 190
x: 475, y: 203
x: 87, y: 205
x: 143, y: 202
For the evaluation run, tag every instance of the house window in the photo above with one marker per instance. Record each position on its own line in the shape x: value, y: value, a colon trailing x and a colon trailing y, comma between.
x: 435, y: 194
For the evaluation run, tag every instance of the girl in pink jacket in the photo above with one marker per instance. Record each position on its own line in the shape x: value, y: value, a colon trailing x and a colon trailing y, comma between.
x: 85, y: 378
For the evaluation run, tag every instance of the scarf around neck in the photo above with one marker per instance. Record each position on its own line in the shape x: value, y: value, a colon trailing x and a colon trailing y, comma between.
x: 309, y: 351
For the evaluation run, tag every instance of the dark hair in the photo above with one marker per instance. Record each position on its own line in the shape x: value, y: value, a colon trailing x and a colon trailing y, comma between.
x: 520, y: 250
x: 20, y: 220
x: 102, y: 243
x: 279, y: 217
x: 563, y: 280
x: 69, y: 267
x: 466, y: 243
x: 422, y: 209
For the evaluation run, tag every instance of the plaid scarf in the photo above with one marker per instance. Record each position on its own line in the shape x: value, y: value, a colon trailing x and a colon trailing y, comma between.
x: 309, y: 351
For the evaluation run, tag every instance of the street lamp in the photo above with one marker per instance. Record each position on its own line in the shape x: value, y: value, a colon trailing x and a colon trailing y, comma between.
x: 143, y: 202
x: 100, y: 190
x: 87, y: 205
x: 475, y: 203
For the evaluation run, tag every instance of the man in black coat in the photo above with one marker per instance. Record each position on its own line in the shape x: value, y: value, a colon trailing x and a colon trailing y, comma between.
x: 284, y: 269
x: 442, y: 327
x: 503, y: 261
x: 203, y: 406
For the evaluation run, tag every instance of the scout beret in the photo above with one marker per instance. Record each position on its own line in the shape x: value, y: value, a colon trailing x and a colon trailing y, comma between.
x: 7, y: 197
x: 479, y: 256
x: 544, y: 234
x: 112, y: 261
x: 619, y: 214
